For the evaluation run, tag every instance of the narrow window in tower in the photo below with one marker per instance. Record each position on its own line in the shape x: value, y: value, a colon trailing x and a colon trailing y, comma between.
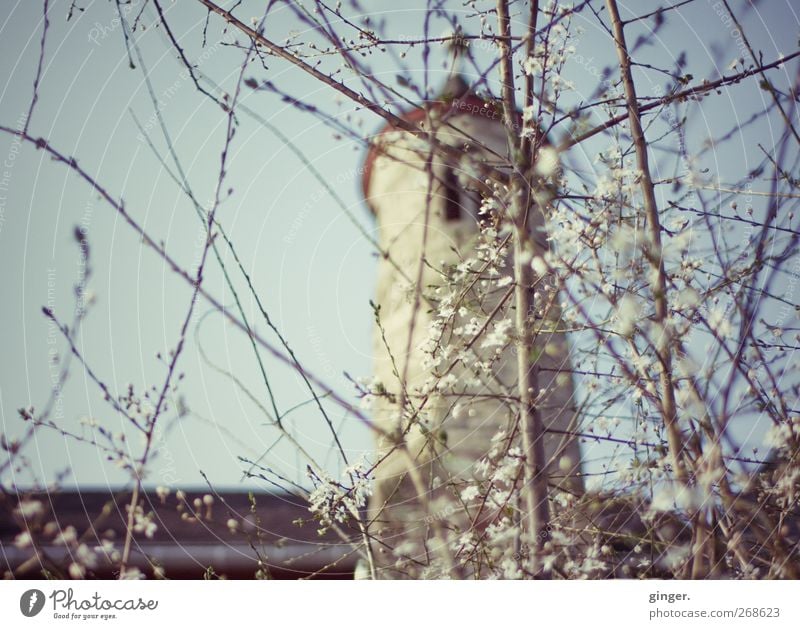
x: 452, y: 202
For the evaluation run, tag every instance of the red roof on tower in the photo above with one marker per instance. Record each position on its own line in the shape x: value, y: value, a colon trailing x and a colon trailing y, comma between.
x: 456, y: 96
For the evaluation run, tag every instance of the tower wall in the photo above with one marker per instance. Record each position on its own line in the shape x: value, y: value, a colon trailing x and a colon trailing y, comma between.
x: 407, y: 187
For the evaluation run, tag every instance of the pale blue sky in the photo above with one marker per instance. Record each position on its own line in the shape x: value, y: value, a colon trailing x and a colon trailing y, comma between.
x: 310, y: 264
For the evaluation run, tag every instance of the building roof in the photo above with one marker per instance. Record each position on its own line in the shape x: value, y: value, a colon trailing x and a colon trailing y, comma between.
x: 186, y: 541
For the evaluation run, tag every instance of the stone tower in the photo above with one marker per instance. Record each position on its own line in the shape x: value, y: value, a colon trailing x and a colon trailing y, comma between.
x: 426, y: 208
